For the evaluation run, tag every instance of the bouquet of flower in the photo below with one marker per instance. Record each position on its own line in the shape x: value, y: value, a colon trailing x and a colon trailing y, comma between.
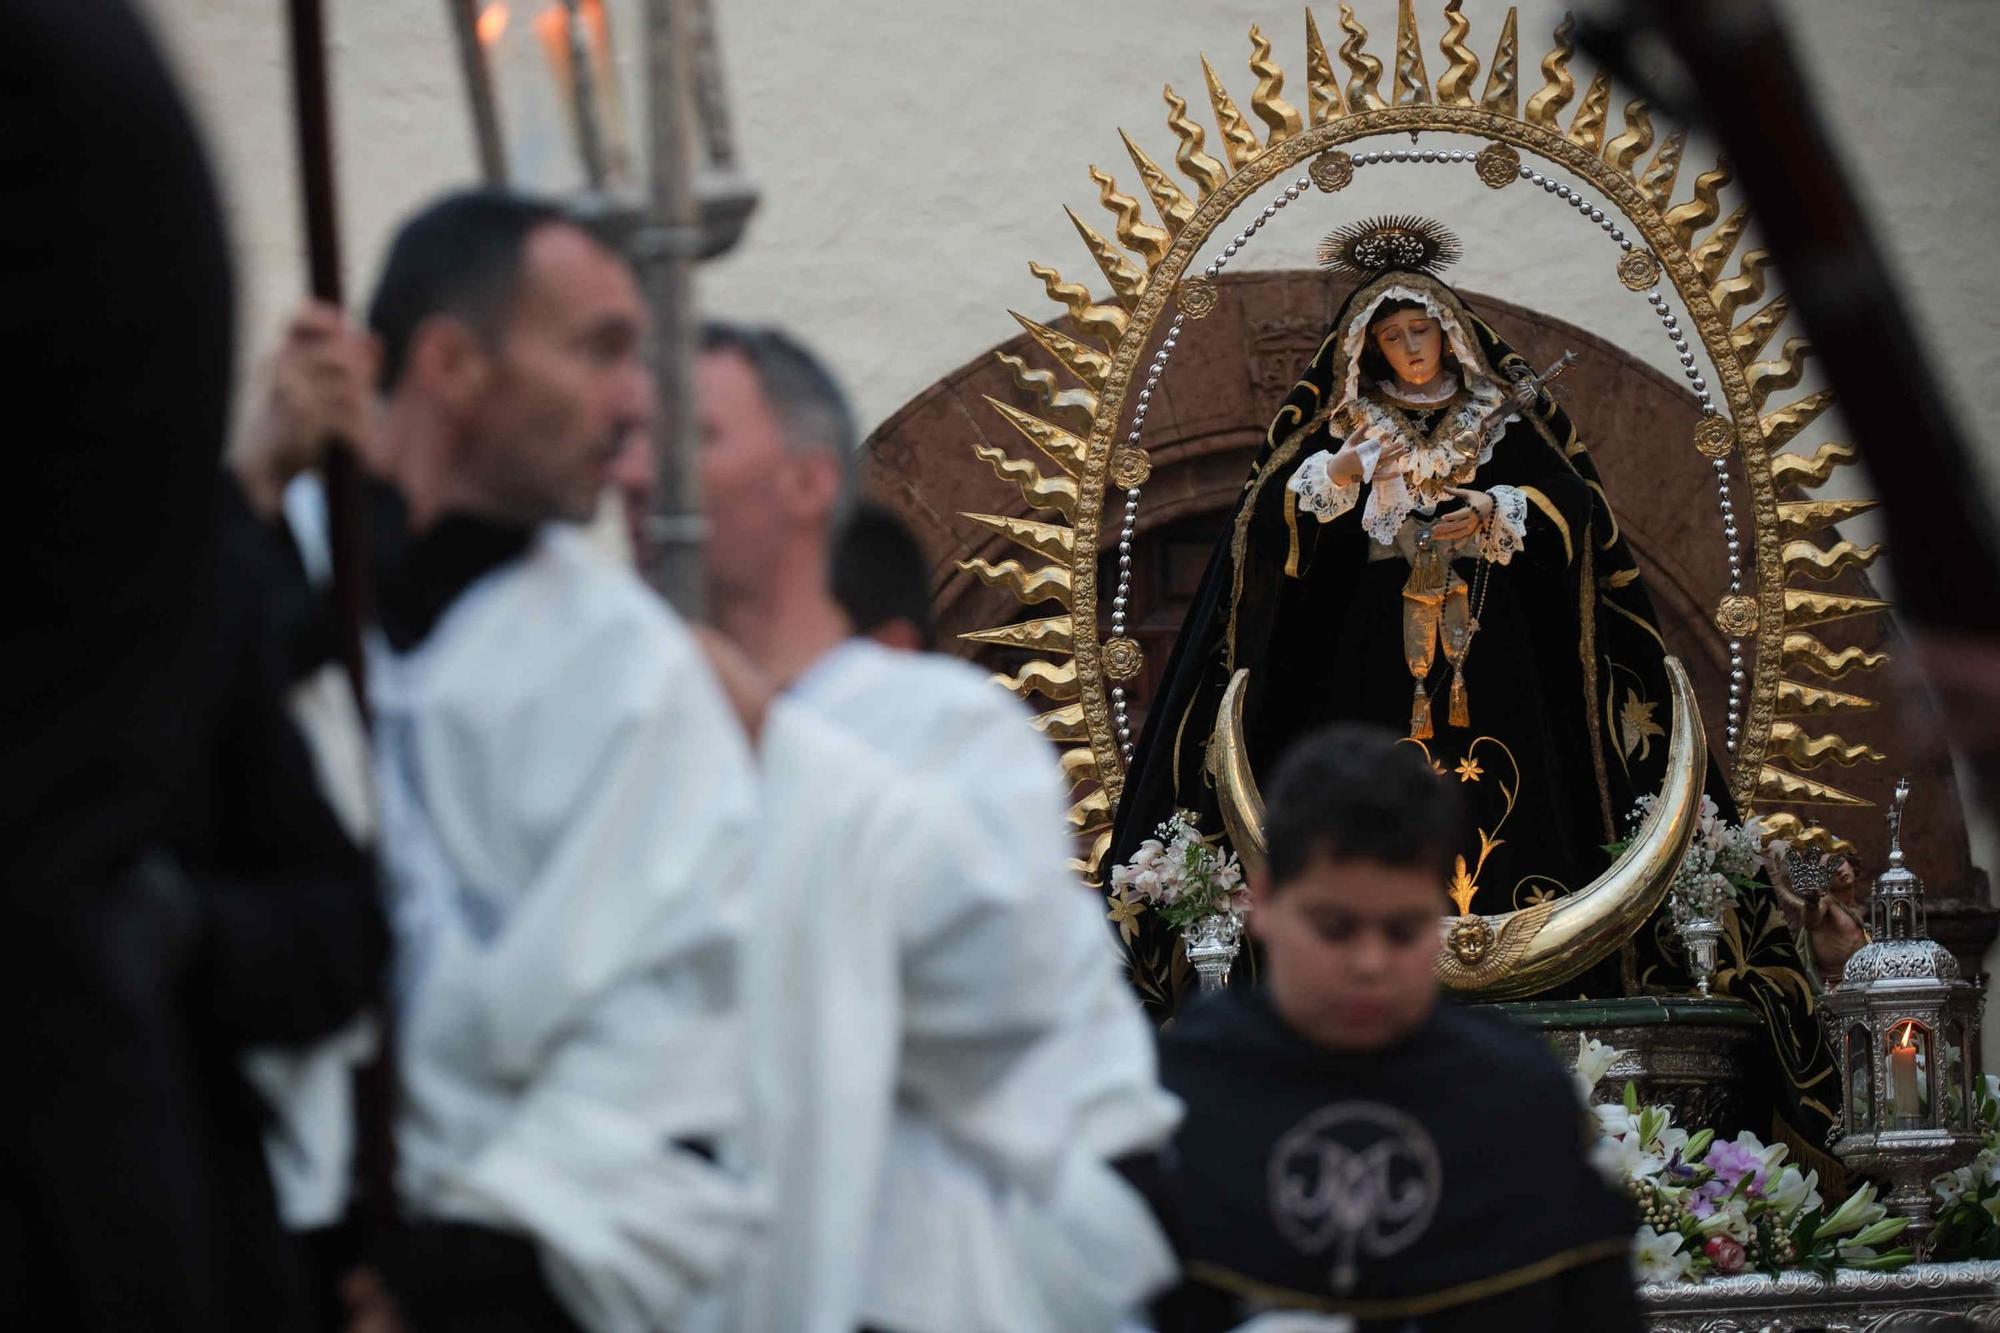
x: 1710, y: 1207
x: 1181, y: 875
x: 1722, y: 860
x: 1969, y: 1198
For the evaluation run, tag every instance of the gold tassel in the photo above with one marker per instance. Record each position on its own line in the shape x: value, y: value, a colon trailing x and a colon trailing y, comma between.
x: 1461, y: 709
x: 1420, y: 715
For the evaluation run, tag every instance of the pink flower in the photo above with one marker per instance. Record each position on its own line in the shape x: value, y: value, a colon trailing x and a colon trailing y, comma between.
x: 1725, y: 1254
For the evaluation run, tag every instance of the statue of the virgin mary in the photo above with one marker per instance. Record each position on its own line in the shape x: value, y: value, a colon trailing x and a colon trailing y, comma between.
x: 1423, y: 543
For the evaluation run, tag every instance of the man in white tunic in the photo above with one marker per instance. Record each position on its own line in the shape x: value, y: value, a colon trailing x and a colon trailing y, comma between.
x: 568, y: 806
x: 1023, y: 1101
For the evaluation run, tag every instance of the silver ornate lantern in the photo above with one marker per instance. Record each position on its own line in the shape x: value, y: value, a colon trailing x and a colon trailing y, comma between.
x: 1905, y: 1027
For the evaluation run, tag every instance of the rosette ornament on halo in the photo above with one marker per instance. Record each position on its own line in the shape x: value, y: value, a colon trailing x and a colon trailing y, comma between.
x: 1360, y: 250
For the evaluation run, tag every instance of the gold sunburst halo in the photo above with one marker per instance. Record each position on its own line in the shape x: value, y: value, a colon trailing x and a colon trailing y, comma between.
x: 1398, y: 240
x: 1103, y: 345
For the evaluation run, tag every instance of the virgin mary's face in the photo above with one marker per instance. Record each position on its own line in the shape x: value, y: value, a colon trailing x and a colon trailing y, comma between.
x: 1412, y: 343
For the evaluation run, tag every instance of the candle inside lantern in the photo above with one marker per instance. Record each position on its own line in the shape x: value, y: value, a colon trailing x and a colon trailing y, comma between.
x: 1903, y: 1074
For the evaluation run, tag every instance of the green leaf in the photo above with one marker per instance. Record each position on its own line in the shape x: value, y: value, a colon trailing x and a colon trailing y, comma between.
x: 1887, y: 1229
x: 1631, y: 1098
x: 1886, y: 1262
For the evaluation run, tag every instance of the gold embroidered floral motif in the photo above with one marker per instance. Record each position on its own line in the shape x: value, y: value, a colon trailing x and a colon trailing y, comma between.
x: 1635, y: 719
x: 1468, y: 770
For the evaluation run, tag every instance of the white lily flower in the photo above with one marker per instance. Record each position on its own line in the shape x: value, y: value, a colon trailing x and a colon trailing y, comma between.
x: 1593, y: 1061
x: 1659, y: 1258
x: 1792, y: 1193
x: 1614, y: 1121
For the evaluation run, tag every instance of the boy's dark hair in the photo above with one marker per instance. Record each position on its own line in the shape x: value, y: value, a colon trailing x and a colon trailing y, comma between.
x: 460, y: 256
x: 1375, y: 366
x: 1358, y: 793
x: 879, y: 573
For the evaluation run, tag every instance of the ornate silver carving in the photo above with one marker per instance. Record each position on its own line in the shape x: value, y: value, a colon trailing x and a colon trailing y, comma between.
x: 1851, y: 1300
x: 1915, y: 960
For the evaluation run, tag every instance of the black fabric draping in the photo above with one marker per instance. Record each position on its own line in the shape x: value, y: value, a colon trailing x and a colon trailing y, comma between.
x: 172, y: 888
x: 1566, y: 682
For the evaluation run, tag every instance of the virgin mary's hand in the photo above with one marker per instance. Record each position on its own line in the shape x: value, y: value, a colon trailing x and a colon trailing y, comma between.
x: 1460, y: 524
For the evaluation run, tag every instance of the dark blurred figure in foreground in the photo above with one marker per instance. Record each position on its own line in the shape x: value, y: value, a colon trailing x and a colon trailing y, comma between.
x: 1414, y: 1165
x: 174, y: 891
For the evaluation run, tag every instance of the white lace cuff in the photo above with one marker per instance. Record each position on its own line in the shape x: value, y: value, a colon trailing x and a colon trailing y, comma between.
x: 1507, y: 533
x: 1319, y: 494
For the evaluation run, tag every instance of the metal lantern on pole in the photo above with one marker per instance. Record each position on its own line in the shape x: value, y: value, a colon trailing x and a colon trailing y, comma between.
x: 1905, y: 1026
x: 549, y: 114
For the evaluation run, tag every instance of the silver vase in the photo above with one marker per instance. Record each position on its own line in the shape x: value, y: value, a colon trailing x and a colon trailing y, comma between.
x: 1699, y: 936
x: 1212, y: 943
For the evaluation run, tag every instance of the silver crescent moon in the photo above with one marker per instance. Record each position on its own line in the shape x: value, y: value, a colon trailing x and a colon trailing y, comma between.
x: 1537, y: 947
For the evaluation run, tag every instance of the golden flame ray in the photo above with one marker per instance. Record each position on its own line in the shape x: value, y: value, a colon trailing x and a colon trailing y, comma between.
x: 1051, y: 680
x: 1207, y: 173
x: 1656, y: 186
x: 1090, y: 814
x: 1836, y: 560
x: 1049, y: 634
x: 1797, y: 746
x: 1803, y: 649
x: 1503, y: 89
x: 1174, y: 207
x: 1067, y: 451
x: 1801, y: 834
x: 1239, y: 141
x: 1732, y: 294
x: 1781, y: 427
x: 1412, y: 86
x: 1706, y: 206
x: 1283, y: 118
x: 1053, y: 540
x: 1323, y: 97
x: 1713, y: 253
x: 1134, y: 233
x: 1073, y: 409
x: 1586, y: 127
x: 1623, y: 152
x: 1781, y: 372
x: 1106, y: 323
x: 1775, y: 784
x: 1748, y: 338
x: 1804, y: 608
x: 1798, y: 517
x: 1087, y: 364
x: 1079, y: 765
x: 1557, y: 85
x: 1798, y: 699
x: 1793, y: 470
x: 1056, y: 494
x: 1364, y: 85
x: 1127, y: 279
x: 1455, y: 84
x: 1062, y: 724
x: 1049, y: 584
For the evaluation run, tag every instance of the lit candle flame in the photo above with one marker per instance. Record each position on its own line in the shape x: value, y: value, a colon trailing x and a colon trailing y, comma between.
x: 1908, y: 1028
x: 492, y: 23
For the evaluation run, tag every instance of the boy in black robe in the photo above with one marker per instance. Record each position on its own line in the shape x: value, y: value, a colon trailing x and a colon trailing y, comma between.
x: 1352, y: 1146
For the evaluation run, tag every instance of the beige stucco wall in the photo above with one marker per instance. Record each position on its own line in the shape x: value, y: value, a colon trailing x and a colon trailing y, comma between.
x: 913, y: 156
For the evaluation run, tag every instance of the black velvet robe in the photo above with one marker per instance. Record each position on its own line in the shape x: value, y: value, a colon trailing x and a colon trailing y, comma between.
x: 1438, y: 1184
x: 1566, y: 681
